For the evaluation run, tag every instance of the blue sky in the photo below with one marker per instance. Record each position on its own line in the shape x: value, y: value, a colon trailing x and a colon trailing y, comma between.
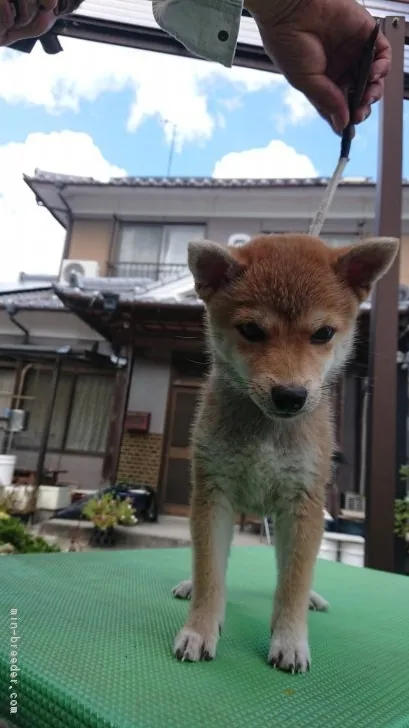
x: 145, y: 151
x: 100, y: 111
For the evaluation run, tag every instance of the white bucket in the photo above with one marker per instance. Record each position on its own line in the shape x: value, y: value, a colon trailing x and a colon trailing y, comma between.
x: 328, y: 550
x: 7, y: 465
x: 53, y: 497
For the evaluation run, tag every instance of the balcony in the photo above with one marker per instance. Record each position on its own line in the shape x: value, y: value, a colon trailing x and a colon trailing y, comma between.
x: 151, y: 271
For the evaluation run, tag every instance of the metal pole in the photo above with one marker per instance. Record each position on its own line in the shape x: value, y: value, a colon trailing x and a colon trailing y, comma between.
x: 381, y: 451
x: 402, y: 456
x: 120, y: 419
x: 47, y: 424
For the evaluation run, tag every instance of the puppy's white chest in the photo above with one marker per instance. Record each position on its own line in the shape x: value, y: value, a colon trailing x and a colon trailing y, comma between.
x: 257, y: 475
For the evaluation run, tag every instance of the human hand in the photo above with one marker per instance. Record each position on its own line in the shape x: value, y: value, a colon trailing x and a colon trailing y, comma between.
x: 34, y: 18
x: 317, y: 45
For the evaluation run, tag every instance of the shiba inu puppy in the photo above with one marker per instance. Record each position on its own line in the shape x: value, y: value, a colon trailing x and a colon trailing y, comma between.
x: 281, y: 315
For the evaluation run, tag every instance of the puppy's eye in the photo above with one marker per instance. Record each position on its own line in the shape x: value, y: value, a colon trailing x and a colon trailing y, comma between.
x: 251, y: 332
x: 322, y: 335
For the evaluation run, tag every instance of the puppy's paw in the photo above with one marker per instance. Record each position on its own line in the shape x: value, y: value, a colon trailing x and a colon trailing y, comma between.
x: 194, y: 644
x: 289, y: 652
x: 317, y: 603
x: 183, y: 590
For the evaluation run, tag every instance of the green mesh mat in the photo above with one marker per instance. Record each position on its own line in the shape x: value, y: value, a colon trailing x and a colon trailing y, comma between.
x: 95, y: 646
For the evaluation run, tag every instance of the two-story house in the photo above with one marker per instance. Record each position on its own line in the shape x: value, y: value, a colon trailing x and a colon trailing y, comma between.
x: 126, y: 306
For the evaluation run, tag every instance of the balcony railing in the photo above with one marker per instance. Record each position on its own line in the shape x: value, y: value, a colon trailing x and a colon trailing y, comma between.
x: 152, y: 271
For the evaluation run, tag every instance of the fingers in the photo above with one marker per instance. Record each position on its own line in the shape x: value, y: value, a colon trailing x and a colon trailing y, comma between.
x: 7, y: 15
x: 373, y: 93
x: 25, y: 19
x: 379, y: 70
x: 48, y: 4
x: 41, y: 23
x: 327, y: 98
x: 382, y: 60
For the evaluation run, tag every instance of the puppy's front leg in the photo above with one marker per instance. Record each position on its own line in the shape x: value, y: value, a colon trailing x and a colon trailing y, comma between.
x: 299, y: 529
x: 212, y: 521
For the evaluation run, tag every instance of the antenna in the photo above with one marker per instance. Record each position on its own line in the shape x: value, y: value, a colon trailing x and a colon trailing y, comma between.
x: 172, y: 145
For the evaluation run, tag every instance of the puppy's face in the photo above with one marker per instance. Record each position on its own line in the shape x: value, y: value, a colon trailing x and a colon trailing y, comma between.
x: 282, y: 312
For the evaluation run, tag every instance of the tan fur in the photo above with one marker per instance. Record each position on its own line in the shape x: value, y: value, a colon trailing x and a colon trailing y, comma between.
x: 247, y: 454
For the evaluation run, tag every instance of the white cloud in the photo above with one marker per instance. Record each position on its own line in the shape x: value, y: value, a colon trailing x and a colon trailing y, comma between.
x: 277, y: 159
x: 296, y: 110
x: 163, y: 86
x: 31, y: 240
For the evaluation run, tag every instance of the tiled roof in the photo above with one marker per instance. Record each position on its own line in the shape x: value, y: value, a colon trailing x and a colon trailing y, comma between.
x: 194, y: 182
x: 41, y: 300
x: 130, y: 290
x: 127, y: 298
x: 177, y: 292
x: 50, y: 301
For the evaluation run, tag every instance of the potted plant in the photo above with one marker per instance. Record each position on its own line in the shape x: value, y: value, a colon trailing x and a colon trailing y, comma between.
x: 105, y: 513
x: 15, y: 539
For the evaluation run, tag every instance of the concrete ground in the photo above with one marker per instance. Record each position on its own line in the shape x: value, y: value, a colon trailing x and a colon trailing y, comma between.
x: 168, y: 532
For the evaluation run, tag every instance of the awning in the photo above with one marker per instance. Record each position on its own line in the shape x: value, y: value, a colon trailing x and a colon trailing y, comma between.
x: 127, y: 320
x: 123, y: 320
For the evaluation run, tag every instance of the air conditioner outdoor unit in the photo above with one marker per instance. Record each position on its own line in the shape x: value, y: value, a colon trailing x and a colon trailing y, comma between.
x: 238, y: 239
x: 81, y: 268
x: 355, y: 502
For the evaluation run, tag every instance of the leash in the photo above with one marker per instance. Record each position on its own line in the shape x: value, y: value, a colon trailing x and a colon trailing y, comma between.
x: 354, y: 101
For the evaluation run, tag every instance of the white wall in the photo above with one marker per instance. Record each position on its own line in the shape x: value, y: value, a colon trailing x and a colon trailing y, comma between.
x: 149, y: 387
x: 49, y: 328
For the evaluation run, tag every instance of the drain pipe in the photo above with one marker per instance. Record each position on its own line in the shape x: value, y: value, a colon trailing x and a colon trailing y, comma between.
x: 12, y: 310
x: 20, y: 389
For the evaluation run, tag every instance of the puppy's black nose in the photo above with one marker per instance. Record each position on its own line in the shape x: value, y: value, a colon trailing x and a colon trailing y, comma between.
x: 288, y: 400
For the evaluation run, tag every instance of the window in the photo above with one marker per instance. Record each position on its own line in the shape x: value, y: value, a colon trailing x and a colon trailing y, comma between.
x: 81, y: 412
x: 155, y: 251
x: 7, y: 379
x: 88, y: 424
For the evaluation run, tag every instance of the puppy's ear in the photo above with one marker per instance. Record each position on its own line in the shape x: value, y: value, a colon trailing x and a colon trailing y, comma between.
x: 361, y: 266
x: 212, y: 266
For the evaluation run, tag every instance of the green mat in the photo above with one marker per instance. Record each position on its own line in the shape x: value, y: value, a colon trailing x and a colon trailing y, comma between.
x: 95, y: 646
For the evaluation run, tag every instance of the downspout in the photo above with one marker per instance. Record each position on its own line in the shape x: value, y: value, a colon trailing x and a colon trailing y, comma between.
x: 12, y: 310
x: 17, y: 397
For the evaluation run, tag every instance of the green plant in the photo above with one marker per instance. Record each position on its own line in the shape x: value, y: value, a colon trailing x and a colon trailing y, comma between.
x: 402, y: 517
x: 107, y: 512
x: 404, y: 472
x: 7, y: 501
x: 14, y: 533
x: 402, y: 509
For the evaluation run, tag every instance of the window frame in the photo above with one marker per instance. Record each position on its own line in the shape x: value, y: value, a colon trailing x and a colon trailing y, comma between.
x: 122, y: 224
x: 75, y: 374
